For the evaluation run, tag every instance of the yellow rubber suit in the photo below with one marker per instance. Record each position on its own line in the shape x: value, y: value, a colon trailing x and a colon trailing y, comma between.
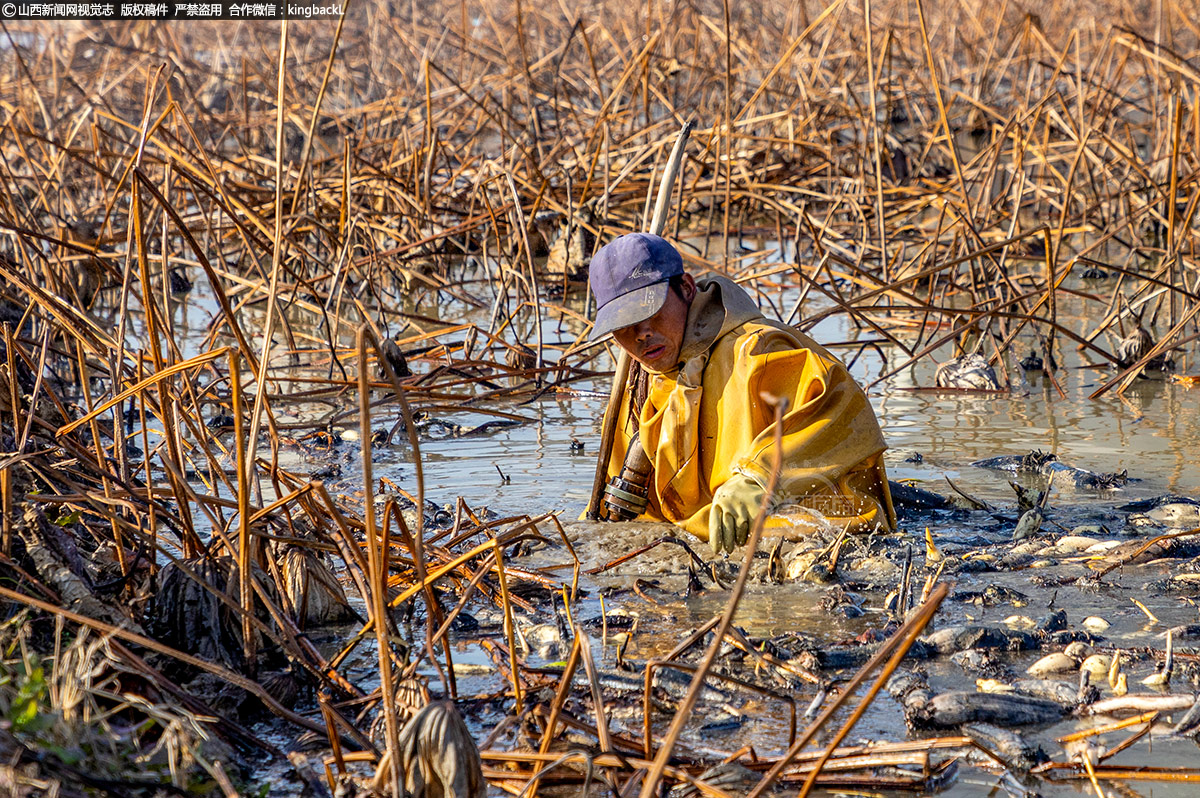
x: 707, y: 421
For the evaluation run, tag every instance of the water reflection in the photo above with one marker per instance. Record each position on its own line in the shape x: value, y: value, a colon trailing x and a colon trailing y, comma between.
x: 1151, y: 431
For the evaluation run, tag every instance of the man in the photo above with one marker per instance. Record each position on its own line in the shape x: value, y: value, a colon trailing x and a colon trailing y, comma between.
x: 710, y: 361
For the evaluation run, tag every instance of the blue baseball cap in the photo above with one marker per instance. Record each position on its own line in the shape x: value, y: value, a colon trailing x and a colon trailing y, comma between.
x: 629, y: 277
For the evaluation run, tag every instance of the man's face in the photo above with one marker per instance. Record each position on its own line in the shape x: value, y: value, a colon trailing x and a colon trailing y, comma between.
x: 655, y: 342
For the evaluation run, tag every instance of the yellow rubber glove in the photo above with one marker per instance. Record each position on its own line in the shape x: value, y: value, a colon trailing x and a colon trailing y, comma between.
x: 734, y: 507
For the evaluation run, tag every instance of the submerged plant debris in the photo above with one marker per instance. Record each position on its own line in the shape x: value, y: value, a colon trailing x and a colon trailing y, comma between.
x: 248, y: 271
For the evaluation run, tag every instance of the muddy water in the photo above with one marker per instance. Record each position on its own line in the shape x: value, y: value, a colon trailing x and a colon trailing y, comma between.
x: 1153, y: 432
x: 783, y: 612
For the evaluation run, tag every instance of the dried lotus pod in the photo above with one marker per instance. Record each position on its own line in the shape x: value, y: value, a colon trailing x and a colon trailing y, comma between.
x: 438, y: 757
x: 315, y: 594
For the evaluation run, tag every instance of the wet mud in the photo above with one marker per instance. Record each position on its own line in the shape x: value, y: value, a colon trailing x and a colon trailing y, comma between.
x: 1040, y: 645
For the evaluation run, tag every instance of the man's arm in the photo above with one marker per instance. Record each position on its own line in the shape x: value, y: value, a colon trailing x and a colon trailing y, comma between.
x: 831, y: 440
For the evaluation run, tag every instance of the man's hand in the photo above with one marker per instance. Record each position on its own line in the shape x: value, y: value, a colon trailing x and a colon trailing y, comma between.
x: 734, y: 508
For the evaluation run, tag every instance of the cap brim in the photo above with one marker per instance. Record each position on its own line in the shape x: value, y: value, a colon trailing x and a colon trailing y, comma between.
x: 638, y: 305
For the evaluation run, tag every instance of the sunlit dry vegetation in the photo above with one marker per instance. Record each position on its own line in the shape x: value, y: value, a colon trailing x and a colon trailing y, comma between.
x: 391, y: 215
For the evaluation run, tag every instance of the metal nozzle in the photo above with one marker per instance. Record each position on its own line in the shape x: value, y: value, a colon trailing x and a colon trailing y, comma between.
x: 626, y: 495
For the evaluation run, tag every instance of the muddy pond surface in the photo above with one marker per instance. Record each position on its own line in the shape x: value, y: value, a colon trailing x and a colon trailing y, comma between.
x: 1152, y: 433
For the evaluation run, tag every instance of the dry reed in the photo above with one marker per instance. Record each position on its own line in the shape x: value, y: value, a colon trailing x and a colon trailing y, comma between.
x: 935, y: 182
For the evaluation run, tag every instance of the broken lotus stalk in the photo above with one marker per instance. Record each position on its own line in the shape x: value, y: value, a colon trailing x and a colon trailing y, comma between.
x: 627, y: 490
